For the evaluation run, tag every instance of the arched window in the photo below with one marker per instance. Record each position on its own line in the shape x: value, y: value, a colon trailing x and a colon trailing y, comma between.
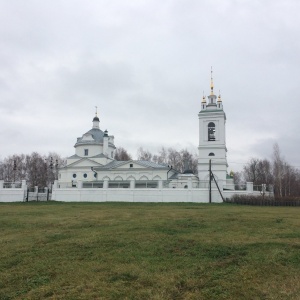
x: 211, y: 131
x: 211, y: 154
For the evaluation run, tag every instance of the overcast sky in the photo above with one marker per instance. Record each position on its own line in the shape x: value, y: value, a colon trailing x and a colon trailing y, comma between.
x: 145, y: 64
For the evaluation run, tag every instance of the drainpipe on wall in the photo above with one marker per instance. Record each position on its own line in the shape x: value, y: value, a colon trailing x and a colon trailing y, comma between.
x: 169, y: 171
x: 92, y: 168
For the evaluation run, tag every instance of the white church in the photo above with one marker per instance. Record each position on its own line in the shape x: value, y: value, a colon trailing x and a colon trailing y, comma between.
x: 93, y: 163
x: 93, y: 160
x: 92, y: 173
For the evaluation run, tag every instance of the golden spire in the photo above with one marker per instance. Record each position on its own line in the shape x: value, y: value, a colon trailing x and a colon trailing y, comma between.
x: 211, y: 82
x: 96, y: 111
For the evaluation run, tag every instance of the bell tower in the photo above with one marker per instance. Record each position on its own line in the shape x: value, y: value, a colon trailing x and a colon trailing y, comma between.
x: 212, y: 142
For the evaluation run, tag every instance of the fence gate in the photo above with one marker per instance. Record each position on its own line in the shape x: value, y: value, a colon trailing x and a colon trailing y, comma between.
x: 38, y: 194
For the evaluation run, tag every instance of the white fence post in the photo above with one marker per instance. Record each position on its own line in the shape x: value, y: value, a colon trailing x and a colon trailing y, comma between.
x: 189, y: 183
x: 79, y: 184
x: 249, y: 187
x: 24, y: 185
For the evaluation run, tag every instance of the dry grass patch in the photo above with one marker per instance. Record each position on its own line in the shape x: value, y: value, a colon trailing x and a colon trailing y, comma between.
x: 148, y: 251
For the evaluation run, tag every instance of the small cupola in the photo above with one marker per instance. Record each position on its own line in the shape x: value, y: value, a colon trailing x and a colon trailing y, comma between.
x: 219, y: 102
x: 96, y: 121
x: 203, y: 103
x: 105, y: 133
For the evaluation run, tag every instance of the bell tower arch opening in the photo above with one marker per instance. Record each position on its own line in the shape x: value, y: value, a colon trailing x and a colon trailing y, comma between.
x: 211, y: 131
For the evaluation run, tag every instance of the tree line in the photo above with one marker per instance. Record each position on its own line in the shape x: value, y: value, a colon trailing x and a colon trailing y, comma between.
x: 36, y: 169
x: 178, y: 160
x: 276, y: 171
x: 41, y: 170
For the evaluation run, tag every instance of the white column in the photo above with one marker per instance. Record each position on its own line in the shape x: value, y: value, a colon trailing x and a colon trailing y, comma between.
x: 105, y: 184
x: 24, y: 186
x: 189, y: 183
x: 1, y: 184
x: 249, y: 187
x: 105, y: 145
x: 132, y: 183
x: 160, y: 184
x: 79, y: 184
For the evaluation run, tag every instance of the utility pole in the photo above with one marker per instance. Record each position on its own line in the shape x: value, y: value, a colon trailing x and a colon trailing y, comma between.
x: 209, y: 181
x: 15, y: 169
x: 56, y: 169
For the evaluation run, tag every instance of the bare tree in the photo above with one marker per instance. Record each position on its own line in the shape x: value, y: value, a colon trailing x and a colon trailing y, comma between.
x: 179, y: 160
x: 122, y: 154
x: 264, y: 171
x: 162, y: 156
x: 258, y: 171
x: 278, y: 169
x: 174, y: 159
x: 237, y: 179
x: 144, y: 154
x: 33, y: 168
x: 250, y: 171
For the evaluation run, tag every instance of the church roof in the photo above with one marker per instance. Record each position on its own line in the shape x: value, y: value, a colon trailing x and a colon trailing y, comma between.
x: 147, y: 164
x: 75, y: 156
x: 100, y: 155
x: 174, y: 176
x: 151, y: 164
x: 113, y: 164
x: 97, y: 135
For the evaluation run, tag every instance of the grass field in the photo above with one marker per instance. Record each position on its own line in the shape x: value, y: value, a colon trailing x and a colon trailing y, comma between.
x: 149, y: 251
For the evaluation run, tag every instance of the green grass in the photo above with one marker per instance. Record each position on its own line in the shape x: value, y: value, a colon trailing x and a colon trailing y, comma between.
x: 148, y: 251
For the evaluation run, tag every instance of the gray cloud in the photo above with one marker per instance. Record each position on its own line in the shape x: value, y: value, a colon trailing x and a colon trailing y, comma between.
x: 145, y: 64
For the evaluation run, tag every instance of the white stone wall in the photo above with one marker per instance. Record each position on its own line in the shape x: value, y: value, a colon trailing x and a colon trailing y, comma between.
x: 12, y: 194
x: 142, y: 195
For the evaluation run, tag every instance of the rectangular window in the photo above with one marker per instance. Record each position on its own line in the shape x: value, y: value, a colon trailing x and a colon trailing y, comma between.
x: 131, y: 165
x: 86, y: 152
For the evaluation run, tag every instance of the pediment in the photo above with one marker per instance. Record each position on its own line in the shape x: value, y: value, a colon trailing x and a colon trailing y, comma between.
x: 131, y: 164
x: 85, y: 162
